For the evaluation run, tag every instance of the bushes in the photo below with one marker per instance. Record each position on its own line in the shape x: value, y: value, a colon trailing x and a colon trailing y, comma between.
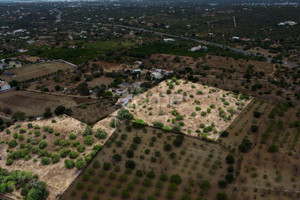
x: 167, y: 147
x: 256, y: 114
x: 80, y: 163
x: 43, y: 144
x: 273, y: 148
x: 69, y: 164
x: 45, y: 160
x: 124, y: 114
x: 158, y: 124
x: 229, y: 178
x: 73, y: 154
x: 245, y: 146
x: 222, y: 196
x: 88, y: 140
x: 175, y: 179
x: 230, y: 159
x: 114, y: 123
x: 178, y: 141
x: 254, y: 128
x: 12, y: 143
x: 137, y: 140
x: 222, y: 184
x: 130, y: 164
x: 139, y: 123
x: 101, y: 134
x: 117, y: 157
x: 55, y: 157
x: 129, y: 153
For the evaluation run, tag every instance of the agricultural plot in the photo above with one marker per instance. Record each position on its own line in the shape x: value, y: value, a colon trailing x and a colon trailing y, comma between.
x: 269, y: 150
x: 55, y: 149
x: 33, y: 103
x: 35, y: 71
x: 187, y: 107
x: 149, y: 163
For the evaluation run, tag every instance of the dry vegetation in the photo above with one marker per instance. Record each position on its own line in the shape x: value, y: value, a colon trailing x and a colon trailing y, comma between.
x: 196, y: 109
x: 23, y: 148
x: 36, y: 70
x: 33, y: 103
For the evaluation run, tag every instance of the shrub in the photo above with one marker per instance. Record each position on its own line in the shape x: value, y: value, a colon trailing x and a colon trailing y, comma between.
x: 12, y: 143
x: 229, y: 178
x: 45, y: 160
x: 137, y: 140
x: 43, y: 144
x: 80, y: 148
x: 175, y: 179
x: 130, y: 164
x: 254, y: 128
x: 158, y: 124
x: 139, y: 123
x: 273, y: 148
x: 245, y: 146
x: 129, y: 153
x: 55, y: 157
x: 124, y: 114
x: 117, y: 157
x: 114, y: 123
x: 101, y: 134
x: 256, y: 114
x: 72, y: 136
x: 73, y: 154
x: 151, y: 174
x: 230, y: 159
x: 88, y: 140
x: 222, y: 184
x: 221, y: 196
x: 69, y: 164
x: 106, y: 166
x: 167, y: 147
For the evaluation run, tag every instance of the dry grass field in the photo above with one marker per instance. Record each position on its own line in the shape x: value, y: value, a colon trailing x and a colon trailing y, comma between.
x: 33, y: 103
x: 35, y: 70
x: 199, y: 110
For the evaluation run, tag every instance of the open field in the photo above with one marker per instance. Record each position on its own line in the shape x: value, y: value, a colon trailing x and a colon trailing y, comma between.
x: 91, y: 113
x: 199, y: 165
x: 269, y: 169
x: 52, y: 148
x: 195, y: 109
x: 214, y: 62
x: 35, y: 70
x: 33, y: 103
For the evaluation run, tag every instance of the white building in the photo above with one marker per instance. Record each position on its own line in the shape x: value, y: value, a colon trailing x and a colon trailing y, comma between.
x: 198, y: 48
x: 124, y: 101
x: 169, y: 40
x: 4, y: 86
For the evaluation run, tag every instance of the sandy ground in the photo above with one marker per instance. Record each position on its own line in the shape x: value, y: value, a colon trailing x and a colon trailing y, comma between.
x: 152, y: 103
x: 56, y: 176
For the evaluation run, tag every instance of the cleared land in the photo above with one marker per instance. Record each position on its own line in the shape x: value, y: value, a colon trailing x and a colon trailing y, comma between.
x: 33, y: 103
x: 44, y: 146
x: 199, y: 165
x: 196, y: 109
x: 35, y: 70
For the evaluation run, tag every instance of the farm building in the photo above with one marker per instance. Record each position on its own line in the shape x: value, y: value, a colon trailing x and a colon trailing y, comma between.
x: 4, y: 86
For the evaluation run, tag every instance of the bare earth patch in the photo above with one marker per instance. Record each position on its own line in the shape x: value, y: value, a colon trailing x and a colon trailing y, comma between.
x: 200, y: 110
